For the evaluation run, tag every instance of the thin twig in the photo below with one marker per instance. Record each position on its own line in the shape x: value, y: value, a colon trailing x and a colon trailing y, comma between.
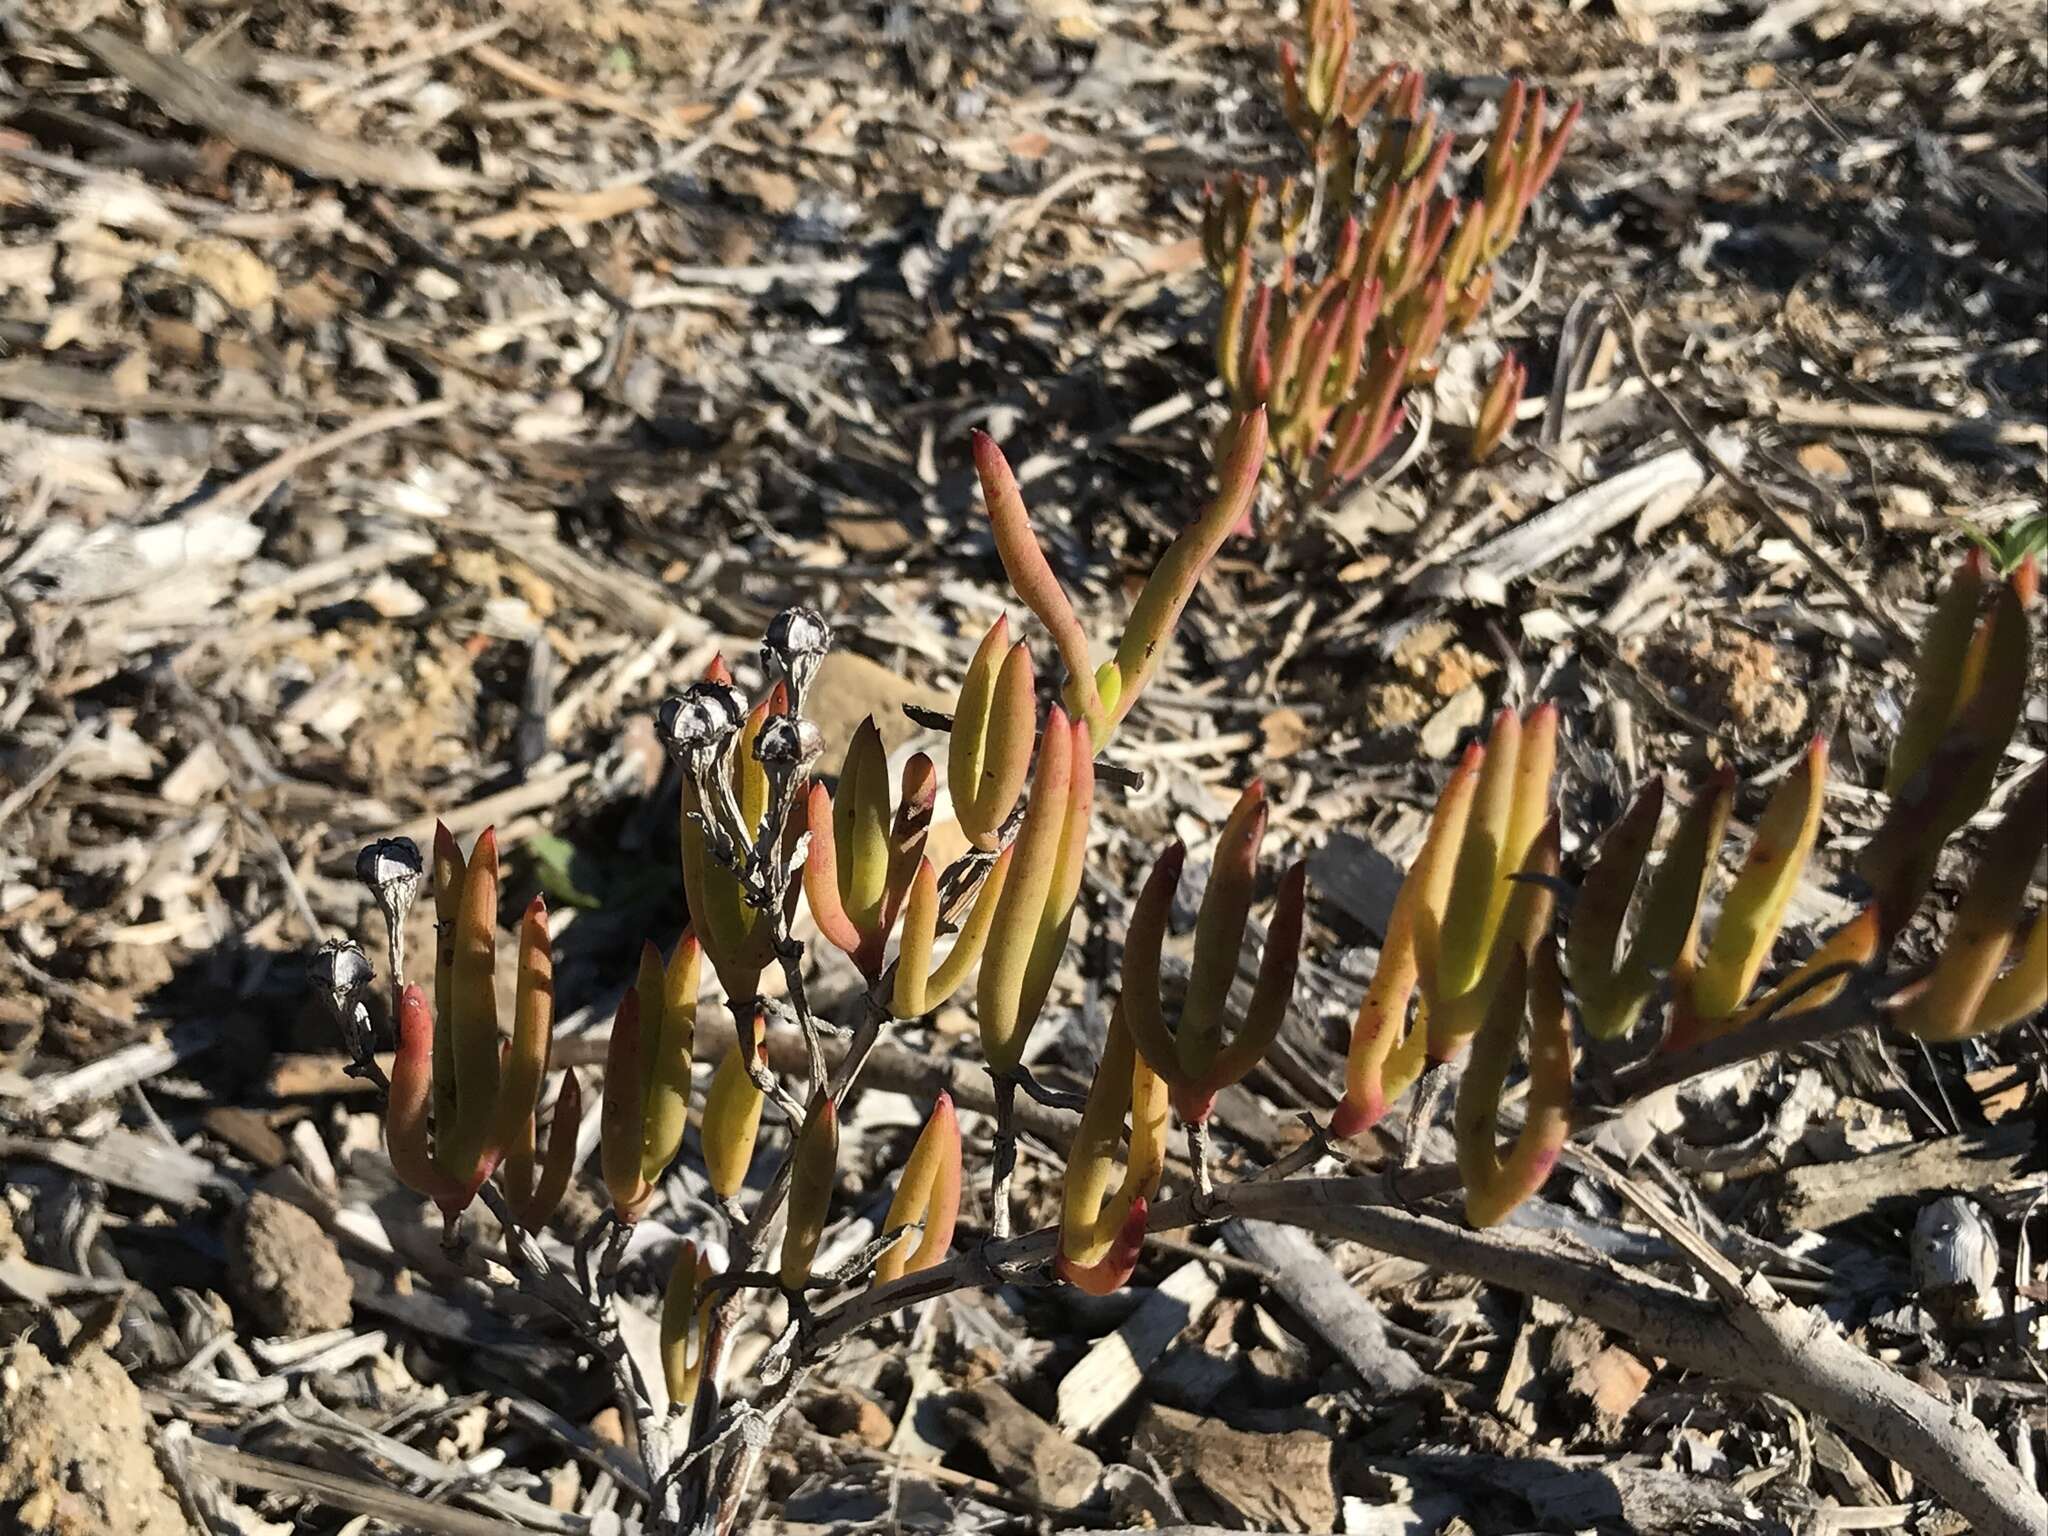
x: 1002, y: 1165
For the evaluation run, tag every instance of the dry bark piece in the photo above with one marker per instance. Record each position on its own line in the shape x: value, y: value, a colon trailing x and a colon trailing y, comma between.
x: 1268, y: 1482
x: 286, y: 1270
x: 1825, y: 1194
x: 1305, y: 1278
x: 1607, y: 1377
x: 850, y: 1415
x: 1111, y: 1371
x: 1955, y: 1260
x: 1027, y: 1453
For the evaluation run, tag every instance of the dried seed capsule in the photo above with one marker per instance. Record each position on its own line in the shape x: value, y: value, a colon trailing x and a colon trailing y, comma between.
x: 703, y: 718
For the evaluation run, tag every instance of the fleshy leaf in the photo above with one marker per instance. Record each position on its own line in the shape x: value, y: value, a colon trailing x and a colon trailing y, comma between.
x: 405, y: 1113
x: 1755, y: 906
x: 1110, y: 1274
x: 860, y: 824
x: 927, y: 1192
x: 1007, y: 957
x: 559, y: 1164
x: 1938, y: 674
x: 1173, y: 580
x: 620, y: 1124
x: 1495, y: 1185
x: 475, y: 1019
x: 967, y: 743
x: 814, y: 1165
x: 1380, y: 1035
x: 1478, y: 890
x: 666, y: 1114
x: 683, y: 1315
x: 533, y: 1022
x: 732, y: 1112
x: 1949, y: 1004
x: 1056, y: 918
x: 822, y: 880
x: 1030, y: 574
x: 448, y: 871
x: 1272, y: 995
x: 1219, y: 932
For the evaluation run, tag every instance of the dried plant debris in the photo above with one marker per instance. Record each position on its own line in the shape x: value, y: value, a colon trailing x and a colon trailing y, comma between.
x: 398, y: 403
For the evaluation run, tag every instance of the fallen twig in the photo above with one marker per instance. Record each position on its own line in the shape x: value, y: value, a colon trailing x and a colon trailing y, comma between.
x: 198, y: 98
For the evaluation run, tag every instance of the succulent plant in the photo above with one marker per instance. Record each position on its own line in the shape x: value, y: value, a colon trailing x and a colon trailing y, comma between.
x: 1192, y: 1055
x: 1710, y: 990
x: 732, y: 1108
x: 684, y: 1308
x: 814, y: 1164
x: 1495, y: 1183
x: 462, y: 1106
x: 646, y: 1106
x: 988, y: 756
x: 1463, y: 907
x: 1989, y: 976
x: 1101, y: 1235
x: 1102, y: 696
x: 864, y: 858
x: 724, y: 808
x: 1489, y: 952
x: 1969, y: 686
x: 1376, y: 267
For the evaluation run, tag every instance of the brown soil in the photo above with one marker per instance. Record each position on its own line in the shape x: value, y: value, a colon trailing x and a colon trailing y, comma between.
x: 286, y: 1271
x: 75, y: 1457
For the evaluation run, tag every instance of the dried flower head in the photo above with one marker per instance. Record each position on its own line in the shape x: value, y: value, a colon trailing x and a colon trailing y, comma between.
x: 339, y: 972
x: 787, y: 743
x: 393, y: 870
x: 702, y: 719
x: 793, y: 649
